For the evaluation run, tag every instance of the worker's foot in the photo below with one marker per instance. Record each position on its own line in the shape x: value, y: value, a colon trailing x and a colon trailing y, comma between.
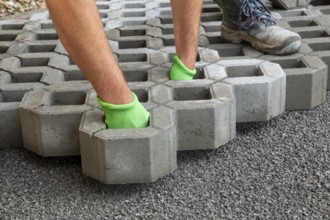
x: 251, y: 21
x: 132, y: 115
x: 179, y: 71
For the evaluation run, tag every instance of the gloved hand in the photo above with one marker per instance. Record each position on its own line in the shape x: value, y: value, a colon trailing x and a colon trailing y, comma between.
x: 179, y: 71
x: 132, y: 115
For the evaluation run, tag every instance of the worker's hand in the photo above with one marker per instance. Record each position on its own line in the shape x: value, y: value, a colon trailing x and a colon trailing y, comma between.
x: 132, y: 115
x: 179, y: 71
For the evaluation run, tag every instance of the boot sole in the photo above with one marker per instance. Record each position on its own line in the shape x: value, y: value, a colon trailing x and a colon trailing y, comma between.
x: 239, y: 36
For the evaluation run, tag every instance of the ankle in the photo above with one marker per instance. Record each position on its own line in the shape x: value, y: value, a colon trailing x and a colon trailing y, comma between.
x: 125, y: 97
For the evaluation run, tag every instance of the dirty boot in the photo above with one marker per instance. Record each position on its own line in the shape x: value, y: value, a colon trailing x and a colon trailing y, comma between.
x: 251, y: 21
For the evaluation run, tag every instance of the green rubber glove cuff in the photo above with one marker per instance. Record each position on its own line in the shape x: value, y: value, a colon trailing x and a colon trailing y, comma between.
x: 179, y: 71
x: 132, y: 115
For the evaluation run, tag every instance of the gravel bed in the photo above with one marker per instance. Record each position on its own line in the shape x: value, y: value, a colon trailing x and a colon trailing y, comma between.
x: 10, y: 7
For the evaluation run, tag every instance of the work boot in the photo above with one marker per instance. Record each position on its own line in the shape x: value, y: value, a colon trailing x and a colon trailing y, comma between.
x: 251, y: 21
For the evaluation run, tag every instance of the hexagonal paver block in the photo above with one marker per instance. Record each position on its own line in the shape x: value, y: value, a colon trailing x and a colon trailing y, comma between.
x: 32, y: 68
x: 136, y: 155
x: 306, y: 80
x: 320, y: 47
x: 259, y: 88
x: 205, y: 114
x: 11, y: 94
x: 50, y: 118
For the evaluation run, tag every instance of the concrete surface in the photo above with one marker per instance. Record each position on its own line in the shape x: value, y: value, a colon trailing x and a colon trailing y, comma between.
x: 259, y: 88
x: 205, y: 113
x: 51, y: 117
x: 306, y: 80
x: 119, y: 156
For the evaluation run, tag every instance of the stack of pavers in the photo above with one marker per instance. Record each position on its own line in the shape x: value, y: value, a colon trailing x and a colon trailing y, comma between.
x: 47, y: 105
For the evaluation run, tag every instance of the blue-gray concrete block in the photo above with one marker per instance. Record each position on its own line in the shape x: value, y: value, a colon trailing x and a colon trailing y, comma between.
x: 259, y: 88
x: 32, y: 68
x: 119, y: 156
x: 306, y: 78
x: 50, y: 118
x: 205, y: 114
x: 11, y: 95
x: 320, y: 47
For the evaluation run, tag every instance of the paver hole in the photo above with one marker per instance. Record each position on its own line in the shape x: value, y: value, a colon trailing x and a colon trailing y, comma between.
x: 134, y: 14
x: 290, y: 63
x: 325, y: 11
x: 231, y: 52
x: 47, y: 36
x: 7, y: 37
x: 47, y: 26
x: 132, y: 58
x: 213, y: 28
x: 132, y: 44
x: 212, y: 17
x: 313, y: 34
x: 103, y: 15
x: 168, y: 42
x: 199, y: 74
x: 40, y: 48
x: 12, y: 95
x: 135, y: 32
x: 136, y: 75
x: 243, y: 71
x: 218, y: 40
x: 302, y: 23
x: 320, y: 46
x: 142, y: 95
x: 3, y: 49
x: 26, y: 77
x: 134, y: 5
x: 12, y: 26
x: 192, y: 93
x: 292, y: 13
x: 71, y: 62
x: 103, y: 7
x: 28, y: 62
x: 320, y: 2
x: 166, y: 12
x: 168, y: 20
x: 134, y: 22
x: 168, y: 30
x: 68, y: 98
x: 211, y: 9
x: 74, y: 75
x: 164, y: 4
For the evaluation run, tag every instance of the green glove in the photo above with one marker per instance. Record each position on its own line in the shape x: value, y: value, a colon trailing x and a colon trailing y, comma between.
x: 179, y: 71
x: 132, y: 115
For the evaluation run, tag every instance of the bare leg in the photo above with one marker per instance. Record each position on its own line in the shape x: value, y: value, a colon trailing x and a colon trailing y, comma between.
x: 186, y: 17
x: 79, y: 27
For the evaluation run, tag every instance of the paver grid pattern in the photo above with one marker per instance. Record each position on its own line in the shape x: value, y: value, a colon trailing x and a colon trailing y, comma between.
x: 141, y: 34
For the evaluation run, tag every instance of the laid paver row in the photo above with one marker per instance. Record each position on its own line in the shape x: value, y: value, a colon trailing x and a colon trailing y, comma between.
x: 60, y: 115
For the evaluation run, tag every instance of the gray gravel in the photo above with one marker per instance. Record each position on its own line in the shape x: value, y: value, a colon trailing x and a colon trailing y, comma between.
x: 273, y: 170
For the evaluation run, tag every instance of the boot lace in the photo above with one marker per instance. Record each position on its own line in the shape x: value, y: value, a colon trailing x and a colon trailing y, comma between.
x: 252, y: 10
